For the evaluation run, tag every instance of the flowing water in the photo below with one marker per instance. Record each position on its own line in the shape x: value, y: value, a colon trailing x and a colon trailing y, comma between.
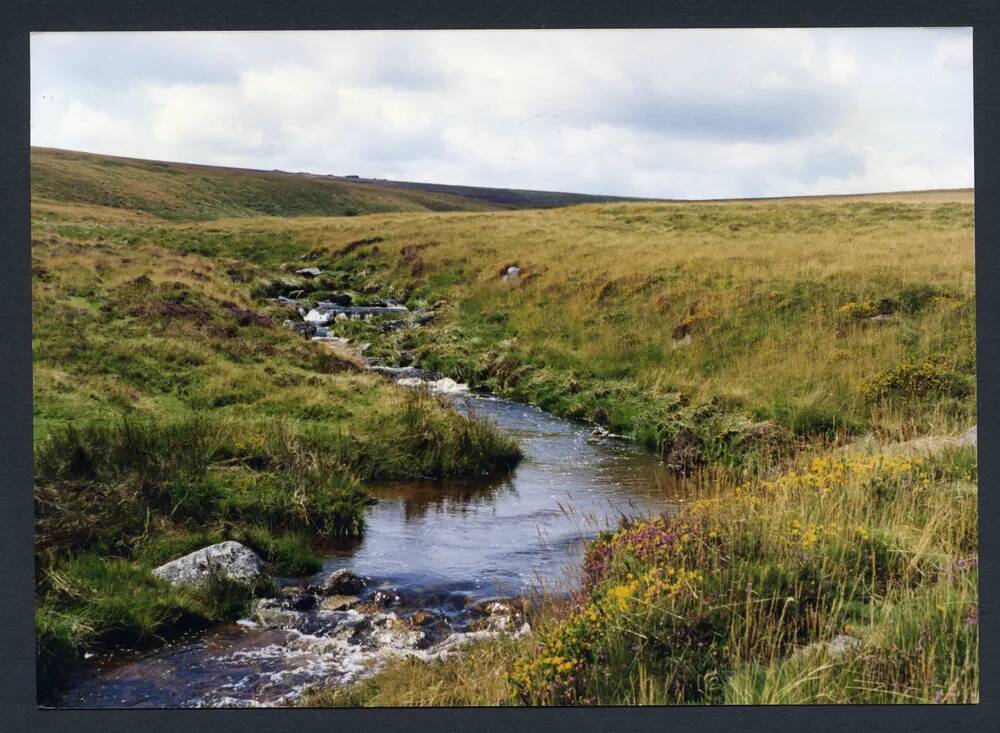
x: 439, y: 547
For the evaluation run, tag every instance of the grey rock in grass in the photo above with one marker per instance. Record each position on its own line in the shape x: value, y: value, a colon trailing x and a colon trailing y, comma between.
x: 301, y: 327
x: 969, y: 437
x: 836, y: 647
x: 309, y: 272
x: 229, y: 560
x: 512, y: 273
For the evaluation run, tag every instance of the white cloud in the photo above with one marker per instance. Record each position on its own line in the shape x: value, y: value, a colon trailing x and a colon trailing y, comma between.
x: 954, y: 51
x: 652, y: 113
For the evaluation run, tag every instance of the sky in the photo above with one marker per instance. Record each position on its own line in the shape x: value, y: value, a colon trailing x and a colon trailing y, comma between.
x: 654, y: 113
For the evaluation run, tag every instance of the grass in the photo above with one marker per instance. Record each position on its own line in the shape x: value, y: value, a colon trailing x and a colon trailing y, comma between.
x: 712, y: 605
x: 91, y: 601
x: 476, y: 677
x: 672, y: 323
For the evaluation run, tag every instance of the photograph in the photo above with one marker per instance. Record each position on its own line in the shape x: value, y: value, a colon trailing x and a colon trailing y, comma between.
x: 503, y: 367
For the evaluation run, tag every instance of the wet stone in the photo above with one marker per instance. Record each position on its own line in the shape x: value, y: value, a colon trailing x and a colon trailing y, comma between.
x: 338, y: 603
x: 302, y: 601
x: 269, y: 613
x: 386, y: 598
x: 422, y: 618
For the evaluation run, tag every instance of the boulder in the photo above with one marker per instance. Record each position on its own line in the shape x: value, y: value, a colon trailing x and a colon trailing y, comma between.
x: 269, y: 613
x: 308, y: 330
x: 511, y: 273
x: 341, y: 582
x: 229, y: 560
x: 309, y: 272
x: 969, y: 437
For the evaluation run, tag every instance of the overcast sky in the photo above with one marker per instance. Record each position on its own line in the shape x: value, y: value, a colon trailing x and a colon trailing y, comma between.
x: 680, y: 114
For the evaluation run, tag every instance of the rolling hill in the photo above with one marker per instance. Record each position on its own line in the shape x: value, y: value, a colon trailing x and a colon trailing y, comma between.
x: 188, y: 191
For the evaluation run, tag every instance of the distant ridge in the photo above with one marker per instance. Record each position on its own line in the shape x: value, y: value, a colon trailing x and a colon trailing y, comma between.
x: 511, y: 198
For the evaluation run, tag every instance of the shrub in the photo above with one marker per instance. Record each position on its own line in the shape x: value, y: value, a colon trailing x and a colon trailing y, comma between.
x: 914, y: 298
x: 867, y: 309
x: 909, y: 380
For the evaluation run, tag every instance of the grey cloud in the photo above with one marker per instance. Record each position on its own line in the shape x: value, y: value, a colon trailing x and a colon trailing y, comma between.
x: 753, y: 115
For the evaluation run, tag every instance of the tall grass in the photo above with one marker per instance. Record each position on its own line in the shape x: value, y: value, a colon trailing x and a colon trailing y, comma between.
x: 738, y: 598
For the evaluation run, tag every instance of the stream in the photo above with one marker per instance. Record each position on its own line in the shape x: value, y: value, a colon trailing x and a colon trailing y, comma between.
x: 434, y: 554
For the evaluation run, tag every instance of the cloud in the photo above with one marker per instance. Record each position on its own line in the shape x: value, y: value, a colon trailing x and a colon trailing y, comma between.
x: 652, y: 113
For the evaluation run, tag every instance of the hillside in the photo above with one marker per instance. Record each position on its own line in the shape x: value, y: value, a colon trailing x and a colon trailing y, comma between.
x: 187, y: 191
